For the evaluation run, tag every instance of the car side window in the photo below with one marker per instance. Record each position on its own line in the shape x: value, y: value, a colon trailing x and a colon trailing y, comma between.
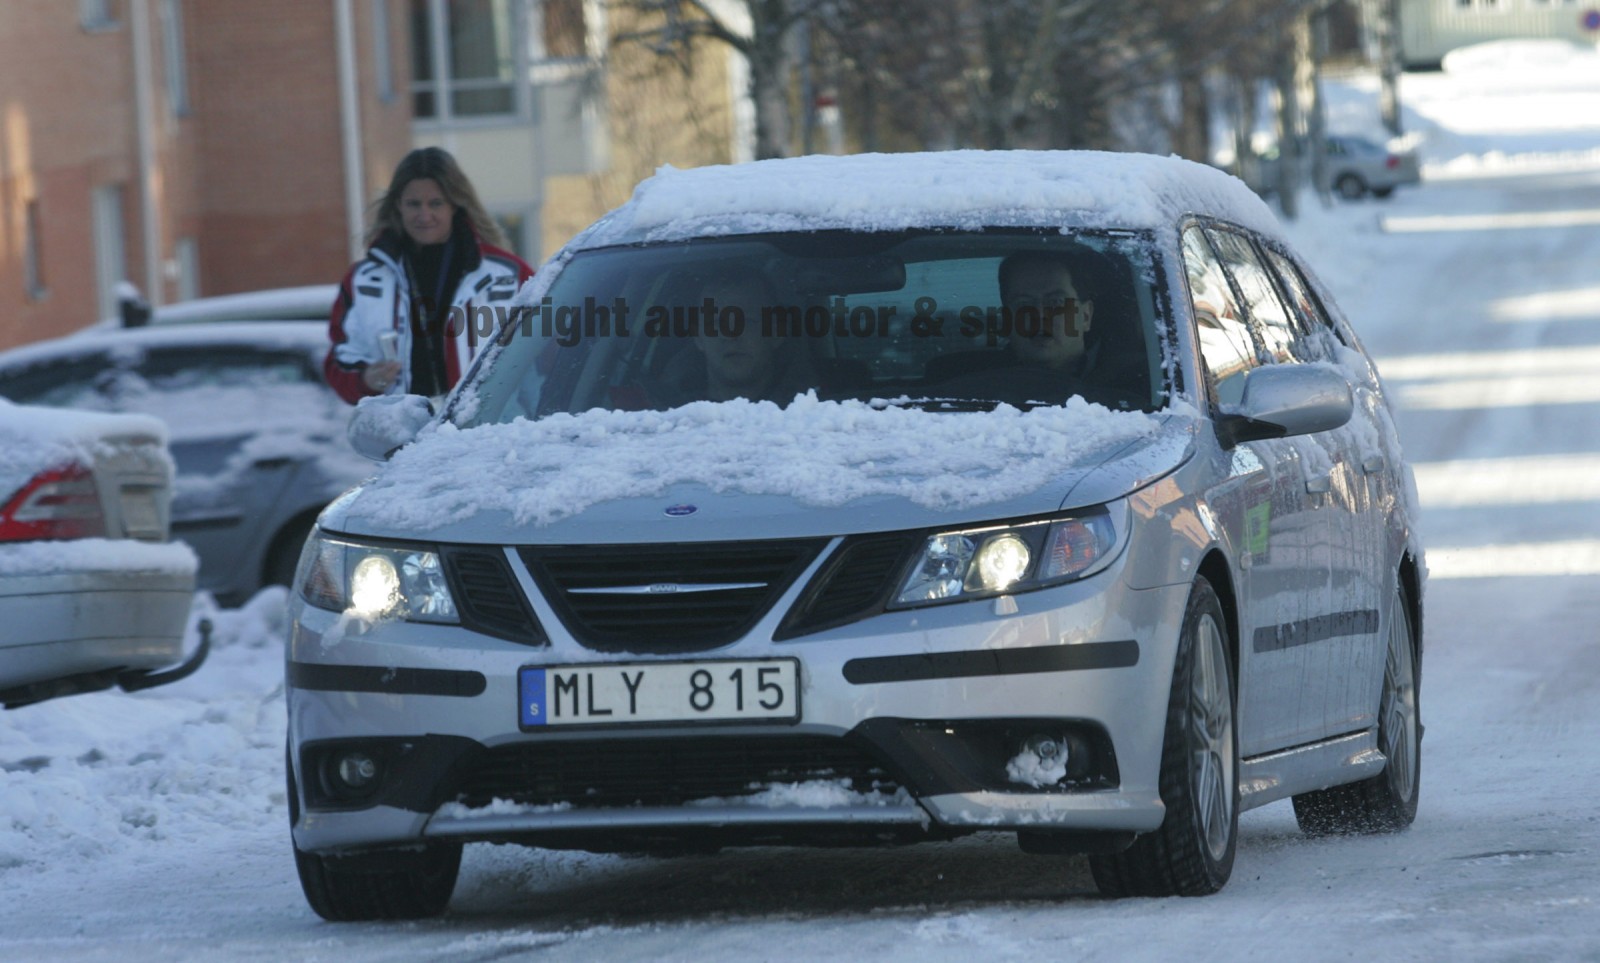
x: 1320, y: 339
x: 81, y: 381
x: 176, y: 369
x: 1268, y: 315
x: 1225, y: 343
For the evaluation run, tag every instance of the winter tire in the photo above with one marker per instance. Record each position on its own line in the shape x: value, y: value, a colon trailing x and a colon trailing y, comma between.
x: 1191, y: 854
x: 391, y: 885
x: 1386, y: 802
x: 1350, y: 187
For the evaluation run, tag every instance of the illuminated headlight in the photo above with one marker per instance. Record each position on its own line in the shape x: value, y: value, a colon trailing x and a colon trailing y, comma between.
x: 375, y: 582
x: 983, y: 562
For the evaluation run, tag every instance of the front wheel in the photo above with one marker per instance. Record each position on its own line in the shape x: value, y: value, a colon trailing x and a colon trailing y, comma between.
x: 1387, y: 802
x: 393, y: 885
x: 1191, y: 854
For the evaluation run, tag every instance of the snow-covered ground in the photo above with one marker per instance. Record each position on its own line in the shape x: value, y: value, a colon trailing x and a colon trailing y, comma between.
x: 154, y: 825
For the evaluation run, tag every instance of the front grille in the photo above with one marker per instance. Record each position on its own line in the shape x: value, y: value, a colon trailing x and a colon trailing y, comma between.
x: 855, y: 584
x: 488, y: 597
x: 645, y: 598
x: 663, y: 772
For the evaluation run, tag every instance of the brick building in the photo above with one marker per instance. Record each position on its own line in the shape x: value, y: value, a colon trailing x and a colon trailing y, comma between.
x: 188, y: 146
x: 205, y: 147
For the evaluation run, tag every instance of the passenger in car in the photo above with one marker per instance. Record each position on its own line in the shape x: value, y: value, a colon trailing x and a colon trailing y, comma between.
x: 1057, y: 361
x: 722, y: 363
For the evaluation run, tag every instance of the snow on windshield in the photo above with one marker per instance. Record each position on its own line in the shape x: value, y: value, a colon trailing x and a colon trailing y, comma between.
x: 819, y: 453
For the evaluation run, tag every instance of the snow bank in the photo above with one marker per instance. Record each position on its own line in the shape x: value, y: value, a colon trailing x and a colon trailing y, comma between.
x: 110, y: 776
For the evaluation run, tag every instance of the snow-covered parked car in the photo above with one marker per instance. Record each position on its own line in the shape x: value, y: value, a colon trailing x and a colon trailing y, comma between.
x: 257, y: 435
x: 872, y: 500
x: 91, y: 592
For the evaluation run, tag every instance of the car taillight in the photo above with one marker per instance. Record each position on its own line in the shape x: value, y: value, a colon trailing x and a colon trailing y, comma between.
x: 1392, y: 162
x: 59, y: 503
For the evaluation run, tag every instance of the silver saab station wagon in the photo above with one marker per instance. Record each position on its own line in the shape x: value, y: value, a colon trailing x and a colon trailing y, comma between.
x: 872, y: 500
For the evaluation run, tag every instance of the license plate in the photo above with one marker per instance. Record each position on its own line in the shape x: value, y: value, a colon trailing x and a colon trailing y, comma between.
x: 613, y: 694
x: 140, y: 515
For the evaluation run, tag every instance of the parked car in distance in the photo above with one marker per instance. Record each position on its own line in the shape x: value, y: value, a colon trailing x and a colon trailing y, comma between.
x: 257, y: 435
x: 1353, y: 167
x: 1070, y: 508
x: 91, y: 592
x: 311, y: 302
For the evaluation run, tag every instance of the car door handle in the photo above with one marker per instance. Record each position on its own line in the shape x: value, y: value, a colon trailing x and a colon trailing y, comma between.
x: 268, y: 464
x: 1372, y: 464
x: 1319, y: 484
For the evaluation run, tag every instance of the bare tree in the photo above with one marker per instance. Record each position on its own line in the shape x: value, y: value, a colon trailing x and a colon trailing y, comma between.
x: 763, y: 38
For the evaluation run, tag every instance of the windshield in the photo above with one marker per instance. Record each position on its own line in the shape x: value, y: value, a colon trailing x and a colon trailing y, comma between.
x: 940, y: 320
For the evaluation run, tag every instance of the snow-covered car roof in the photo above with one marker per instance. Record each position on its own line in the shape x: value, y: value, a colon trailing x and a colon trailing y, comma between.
x: 957, y: 189
x: 302, y: 335
x: 312, y: 302
x: 35, y: 438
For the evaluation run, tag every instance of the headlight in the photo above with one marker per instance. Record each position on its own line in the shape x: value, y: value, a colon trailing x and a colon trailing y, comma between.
x: 375, y: 582
x: 982, y: 562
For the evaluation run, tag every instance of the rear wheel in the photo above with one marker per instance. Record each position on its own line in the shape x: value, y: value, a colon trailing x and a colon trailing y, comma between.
x: 1350, y: 187
x: 1192, y: 853
x: 391, y: 885
x: 1386, y: 802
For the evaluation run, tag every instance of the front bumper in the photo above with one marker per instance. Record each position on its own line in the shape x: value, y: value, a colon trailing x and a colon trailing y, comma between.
x: 925, y: 705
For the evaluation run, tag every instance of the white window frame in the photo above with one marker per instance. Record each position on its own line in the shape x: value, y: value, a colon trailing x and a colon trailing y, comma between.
x: 110, y: 246
x: 177, y: 70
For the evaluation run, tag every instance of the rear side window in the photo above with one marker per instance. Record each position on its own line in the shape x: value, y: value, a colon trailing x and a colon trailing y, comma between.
x: 1320, y: 339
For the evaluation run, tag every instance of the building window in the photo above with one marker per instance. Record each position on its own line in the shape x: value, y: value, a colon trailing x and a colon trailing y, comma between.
x: 186, y: 258
x: 110, y: 256
x: 382, y: 57
x: 98, y: 15
x: 33, y: 253
x: 172, y: 44
x: 462, y: 57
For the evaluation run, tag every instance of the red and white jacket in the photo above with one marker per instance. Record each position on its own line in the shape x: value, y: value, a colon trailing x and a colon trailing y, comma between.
x: 375, y: 298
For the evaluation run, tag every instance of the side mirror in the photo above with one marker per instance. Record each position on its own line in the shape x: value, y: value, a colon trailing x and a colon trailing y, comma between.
x: 384, y: 424
x: 1287, y: 399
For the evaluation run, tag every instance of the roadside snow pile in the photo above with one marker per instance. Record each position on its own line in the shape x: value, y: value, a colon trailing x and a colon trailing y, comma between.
x: 1476, y: 111
x: 109, y: 774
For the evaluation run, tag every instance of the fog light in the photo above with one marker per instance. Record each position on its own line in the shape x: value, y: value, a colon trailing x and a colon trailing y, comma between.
x: 1041, y: 761
x: 357, y: 770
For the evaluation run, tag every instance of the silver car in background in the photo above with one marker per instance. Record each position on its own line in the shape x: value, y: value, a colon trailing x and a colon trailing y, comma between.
x: 91, y: 592
x: 925, y: 590
x: 257, y: 435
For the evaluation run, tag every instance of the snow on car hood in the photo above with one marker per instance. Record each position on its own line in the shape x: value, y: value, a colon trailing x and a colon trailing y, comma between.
x: 35, y: 439
x: 729, y: 470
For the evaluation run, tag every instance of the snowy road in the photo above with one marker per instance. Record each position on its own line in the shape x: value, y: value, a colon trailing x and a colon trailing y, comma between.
x: 154, y: 826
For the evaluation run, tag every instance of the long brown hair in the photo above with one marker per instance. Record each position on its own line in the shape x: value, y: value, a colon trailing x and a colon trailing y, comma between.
x: 435, y: 164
